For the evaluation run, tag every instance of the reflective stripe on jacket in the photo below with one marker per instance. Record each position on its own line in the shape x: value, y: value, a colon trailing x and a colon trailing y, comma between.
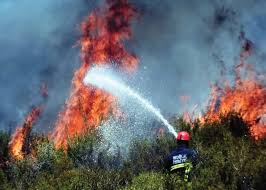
x: 186, y: 166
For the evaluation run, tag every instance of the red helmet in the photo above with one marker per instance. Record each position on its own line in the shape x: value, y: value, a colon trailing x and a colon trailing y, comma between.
x: 183, y: 136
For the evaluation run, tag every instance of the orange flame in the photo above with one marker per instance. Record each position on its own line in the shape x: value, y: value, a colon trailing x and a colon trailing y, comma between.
x: 247, y: 97
x: 18, y: 139
x: 103, y: 32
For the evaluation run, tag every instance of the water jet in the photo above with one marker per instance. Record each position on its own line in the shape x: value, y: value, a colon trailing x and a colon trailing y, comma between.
x: 104, y: 78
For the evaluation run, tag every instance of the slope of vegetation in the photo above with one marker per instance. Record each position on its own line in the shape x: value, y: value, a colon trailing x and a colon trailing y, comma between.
x: 229, y: 159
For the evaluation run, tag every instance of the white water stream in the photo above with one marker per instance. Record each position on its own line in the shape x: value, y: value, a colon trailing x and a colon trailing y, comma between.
x: 100, y: 77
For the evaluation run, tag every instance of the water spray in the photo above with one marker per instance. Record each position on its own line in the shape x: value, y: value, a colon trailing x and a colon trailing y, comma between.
x: 104, y: 78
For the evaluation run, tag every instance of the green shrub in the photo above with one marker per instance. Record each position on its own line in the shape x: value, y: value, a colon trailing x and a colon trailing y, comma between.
x: 81, y: 150
x: 80, y: 179
x: 50, y: 159
x: 228, y: 159
x: 85, y: 151
x: 22, y: 173
x: 147, y: 181
x: 4, y: 139
x: 3, y: 181
x: 146, y: 155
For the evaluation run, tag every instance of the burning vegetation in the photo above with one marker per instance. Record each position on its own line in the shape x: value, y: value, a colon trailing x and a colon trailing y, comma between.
x: 103, y: 33
x: 246, y: 97
x: 102, y: 42
x: 18, y: 145
x: 228, y: 165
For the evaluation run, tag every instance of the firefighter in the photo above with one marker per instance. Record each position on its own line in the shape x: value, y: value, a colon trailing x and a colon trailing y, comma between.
x: 183, y: 158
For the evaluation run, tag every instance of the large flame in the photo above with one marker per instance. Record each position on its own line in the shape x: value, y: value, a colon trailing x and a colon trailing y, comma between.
x: 103, y: 32
x: 247, y: 97
x: 18, y: 139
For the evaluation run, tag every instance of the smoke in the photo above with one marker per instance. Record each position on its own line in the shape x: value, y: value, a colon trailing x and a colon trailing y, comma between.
x: 37, y: 41
x: 183, y: 45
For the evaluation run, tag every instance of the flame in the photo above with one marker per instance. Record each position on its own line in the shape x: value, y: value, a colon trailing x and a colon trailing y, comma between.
x: 17, y: 143
x: 247, y: 97
x: 190, y: 113
x: 103, y: 32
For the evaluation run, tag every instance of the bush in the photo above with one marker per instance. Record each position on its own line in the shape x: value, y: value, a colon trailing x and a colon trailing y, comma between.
x: 50, y: 159
x: 85, y: 151
x: 3, y: 181
x: 22, y: 173
x: 147, y: 181
x: 229, y: 159
x: 81, y: 150
x: 4, y: 139
x: 146, y: 155
x: 80, y: 179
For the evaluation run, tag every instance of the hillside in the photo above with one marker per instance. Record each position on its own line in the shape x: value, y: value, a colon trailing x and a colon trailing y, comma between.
x: 229, y: 159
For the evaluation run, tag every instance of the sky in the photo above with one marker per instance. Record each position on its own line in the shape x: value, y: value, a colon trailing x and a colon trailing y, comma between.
x: 182, y: 45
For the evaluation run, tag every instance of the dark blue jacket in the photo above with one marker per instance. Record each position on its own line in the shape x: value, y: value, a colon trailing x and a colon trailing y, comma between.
x: 181, y: 160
